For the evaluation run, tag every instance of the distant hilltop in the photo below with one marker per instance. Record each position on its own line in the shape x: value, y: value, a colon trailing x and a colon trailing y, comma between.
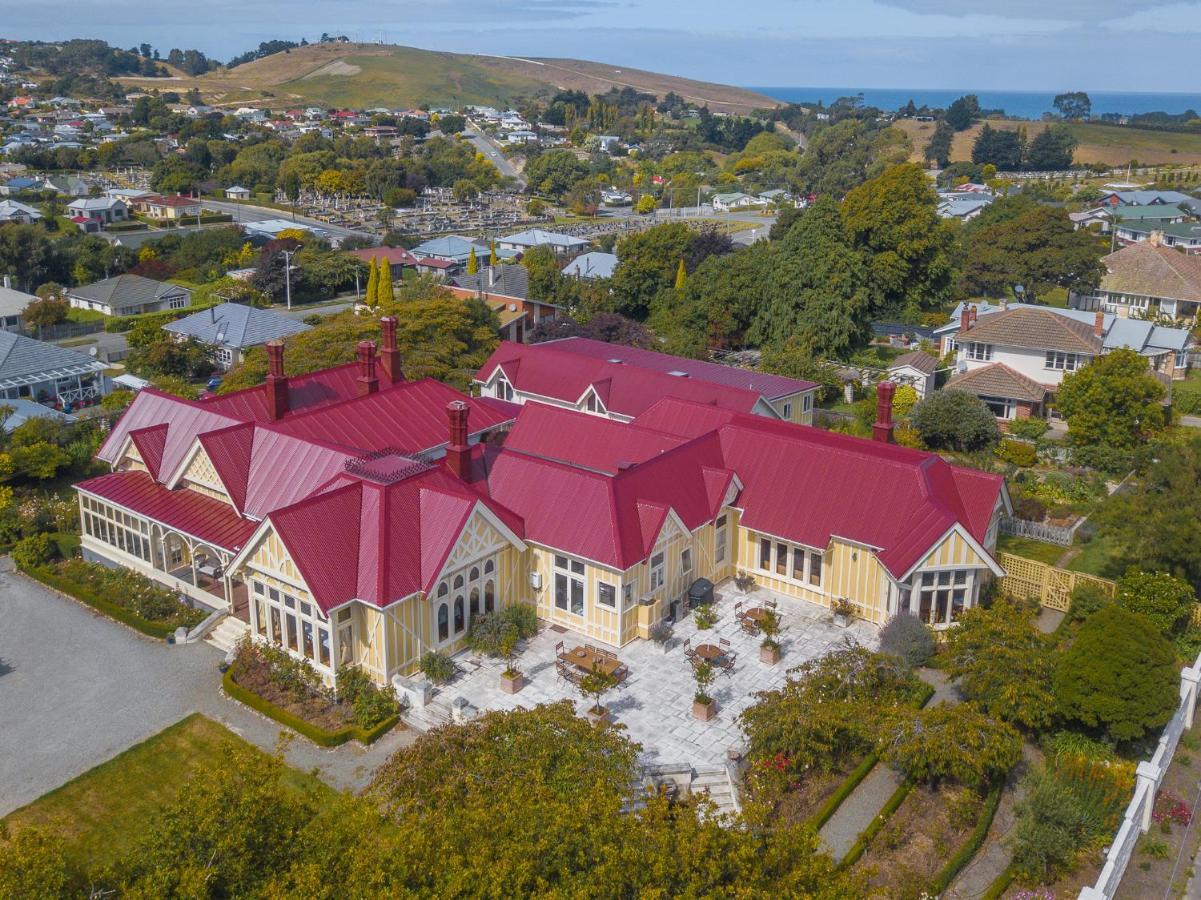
x: 345, y: 74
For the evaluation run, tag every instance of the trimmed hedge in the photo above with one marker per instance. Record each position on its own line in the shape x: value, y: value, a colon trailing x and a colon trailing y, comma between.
x: 52, y: 580
x: 827, y: 809
x: 117, y: 324
x: 971, y: 846
x: 835, y: 800
x: 318, y: 736
x: 860, y: 846
x: 1001, y: 884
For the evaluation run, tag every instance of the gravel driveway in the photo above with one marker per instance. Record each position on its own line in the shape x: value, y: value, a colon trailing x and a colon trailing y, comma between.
x: 76, y: 689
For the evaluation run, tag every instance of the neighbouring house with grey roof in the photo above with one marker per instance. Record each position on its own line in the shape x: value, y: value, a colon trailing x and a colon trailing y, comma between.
x: 47, y: 373
x: 456, y: 249
x: 129, y: 295
x: 13, y: 211
x: 590, y: 266
x: 17, y: 412
x: 916, y: 369
x: 1146, y: 279
x: 105, y: 210
x: 1150, y: 197
x: 12, y: 305
x: 230, y: 329
x: 506, y: 280
x: 536, y: 237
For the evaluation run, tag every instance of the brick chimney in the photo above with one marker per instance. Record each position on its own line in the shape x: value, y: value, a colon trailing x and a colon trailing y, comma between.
x: 458, y: 455
x: 1099, y: 324
x: 389, y: 354
x: 368, y: 383
x: 277, y: 381
x: 965, y: 319
x: 882, y: 430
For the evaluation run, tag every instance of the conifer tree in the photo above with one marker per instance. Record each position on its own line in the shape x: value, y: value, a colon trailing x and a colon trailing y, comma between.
x: 681, y: 276
x: 383, y: 288
x: 492, y: 260
x: 473, y: 264
x: 369, y: 299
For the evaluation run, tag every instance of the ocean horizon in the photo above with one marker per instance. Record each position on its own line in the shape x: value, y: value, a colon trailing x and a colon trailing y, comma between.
x: 1017, y: 104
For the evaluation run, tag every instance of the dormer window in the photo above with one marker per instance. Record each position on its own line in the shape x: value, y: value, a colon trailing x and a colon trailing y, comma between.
x: 503, y: 390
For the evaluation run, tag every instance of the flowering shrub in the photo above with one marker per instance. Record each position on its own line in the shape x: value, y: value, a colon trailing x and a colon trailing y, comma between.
x: 130, y: 590
x: 1170, y: 809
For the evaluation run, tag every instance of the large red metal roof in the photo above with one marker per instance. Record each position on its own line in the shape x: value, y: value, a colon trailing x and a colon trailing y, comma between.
x: 624, y: 388
x: 212, y: 521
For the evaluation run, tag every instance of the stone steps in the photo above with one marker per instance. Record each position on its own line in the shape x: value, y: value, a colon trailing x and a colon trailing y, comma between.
x: 227, y: 633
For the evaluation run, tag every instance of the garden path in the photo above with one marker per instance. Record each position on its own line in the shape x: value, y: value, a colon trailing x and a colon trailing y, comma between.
x: 994, y: 857
x: 855, y: 813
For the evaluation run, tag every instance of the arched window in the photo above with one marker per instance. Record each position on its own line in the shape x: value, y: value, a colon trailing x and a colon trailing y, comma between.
x: 458, y: 582
x: 489, y: 596
x: 443, y: 590
x: 460, y: 624
x: 475, y: 573
x: 475, y: 603
x: 488, y: 567
x: 443, y: 622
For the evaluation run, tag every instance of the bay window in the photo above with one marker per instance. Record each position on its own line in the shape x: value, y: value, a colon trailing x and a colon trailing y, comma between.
x: 294, y: 624
x: 938, y: 597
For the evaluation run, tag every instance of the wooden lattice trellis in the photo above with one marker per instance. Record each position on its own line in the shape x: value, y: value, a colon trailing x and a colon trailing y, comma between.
x: 1028, y: 579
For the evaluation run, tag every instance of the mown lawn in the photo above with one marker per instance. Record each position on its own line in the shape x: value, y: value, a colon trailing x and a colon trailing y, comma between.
x: 103, y: 810
x: 1030, y: 548
x: 1097, y: 557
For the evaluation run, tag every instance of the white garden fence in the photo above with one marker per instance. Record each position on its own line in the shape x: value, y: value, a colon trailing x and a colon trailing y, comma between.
x: 1148, y: 778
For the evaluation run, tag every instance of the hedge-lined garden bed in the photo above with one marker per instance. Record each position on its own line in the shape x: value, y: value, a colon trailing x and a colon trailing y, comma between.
x: 273, y: 682
x: 120, y: 594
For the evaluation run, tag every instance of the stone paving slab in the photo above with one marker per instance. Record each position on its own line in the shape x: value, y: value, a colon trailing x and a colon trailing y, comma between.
x: 654, y: 704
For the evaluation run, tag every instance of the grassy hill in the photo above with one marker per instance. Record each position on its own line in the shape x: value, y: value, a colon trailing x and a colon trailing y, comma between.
x: 1110, y: 144
x: 366, y: 75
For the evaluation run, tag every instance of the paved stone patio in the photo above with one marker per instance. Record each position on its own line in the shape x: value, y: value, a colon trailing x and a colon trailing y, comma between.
x: 654, y: 703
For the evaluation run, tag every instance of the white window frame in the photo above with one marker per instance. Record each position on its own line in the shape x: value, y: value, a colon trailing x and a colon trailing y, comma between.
x: 306, y: 613
x: 1059, y: 361
x: 787, y: 410
x: 978, y: 352
x: 721, y: 537
x: 603, y: 588
x: 658, y: 570
x: 570, y: 575
x: 781, y: 563
x: 957, y: 586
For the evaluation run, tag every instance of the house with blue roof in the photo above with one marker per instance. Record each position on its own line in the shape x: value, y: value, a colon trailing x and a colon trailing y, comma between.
x: 456, y: 249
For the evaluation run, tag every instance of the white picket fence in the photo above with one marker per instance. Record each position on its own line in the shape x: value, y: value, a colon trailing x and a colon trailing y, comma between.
x: 1149, y: 776
x: 1040, y: 531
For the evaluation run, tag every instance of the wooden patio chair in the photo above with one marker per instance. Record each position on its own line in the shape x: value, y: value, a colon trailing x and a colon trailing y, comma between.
x: 688, y: 651
x: 748, y: 625
x: 559, y: 649
x: 772, y: 604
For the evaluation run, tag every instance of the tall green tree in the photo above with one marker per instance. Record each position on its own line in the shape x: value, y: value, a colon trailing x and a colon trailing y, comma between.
x: 938, y: 151
x: 1114, y: 401
x: 385, y: 291
x: 816, y: 290
x: 1119, y: 675
x: 1073, y: 105
x: 1051, y: 149
x: 1001, y: 147
x: 1018, y: 241
x: 893, y: 221
x: 371, y: 298
x: 681, y: 276
x: 646, y: 265
x: 963, y: 112
x: 473, y: 264
x: 1155, y: 520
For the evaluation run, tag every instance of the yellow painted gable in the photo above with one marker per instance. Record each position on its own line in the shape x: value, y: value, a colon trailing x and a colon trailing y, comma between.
x: 478, y: 538
x: 271, y: 557
x: 201, y: 475
x: 954, y: 551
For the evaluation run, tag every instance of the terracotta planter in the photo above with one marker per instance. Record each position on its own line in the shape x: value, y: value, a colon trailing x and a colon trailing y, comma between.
x: 511, y: 685
x: 769, y: 655
x: 597, y: 718
x: 704, y: 711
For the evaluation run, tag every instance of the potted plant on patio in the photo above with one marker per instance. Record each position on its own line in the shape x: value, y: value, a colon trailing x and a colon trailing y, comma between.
x: 844, y: 610
x: 595, y: 685
x: 745, y: 582
x: 512, y: 679
x: 661, y: 633
x: 704, y: 707
x: 769, y: 624
x: 705, y: 617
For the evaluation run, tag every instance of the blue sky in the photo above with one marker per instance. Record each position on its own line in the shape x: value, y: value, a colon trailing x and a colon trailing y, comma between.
x: 1132, y: 45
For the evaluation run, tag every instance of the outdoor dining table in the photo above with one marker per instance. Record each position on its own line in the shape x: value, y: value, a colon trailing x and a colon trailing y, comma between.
x: 590, y: 660
x: 710, y: 652
x: 756, y: 614
x: 212, y: 570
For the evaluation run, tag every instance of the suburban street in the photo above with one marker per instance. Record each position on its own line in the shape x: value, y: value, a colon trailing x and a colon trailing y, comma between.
x: 492, y: 150
x: 77, y: 688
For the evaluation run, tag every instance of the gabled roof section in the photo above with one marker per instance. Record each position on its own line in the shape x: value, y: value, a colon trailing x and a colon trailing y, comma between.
x: 1149, y: 270
x: 22, y: 359
x: 229, y: 450
x: 546, y: 370
x: 999, y: 380
x: 917, y: 359
x: 235, y: 325
x: 150, y: 443
x: 1033, y: 328
x: 808, y: 485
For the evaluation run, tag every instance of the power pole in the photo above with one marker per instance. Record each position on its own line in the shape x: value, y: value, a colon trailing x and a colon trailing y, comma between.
x: 288, y: 275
